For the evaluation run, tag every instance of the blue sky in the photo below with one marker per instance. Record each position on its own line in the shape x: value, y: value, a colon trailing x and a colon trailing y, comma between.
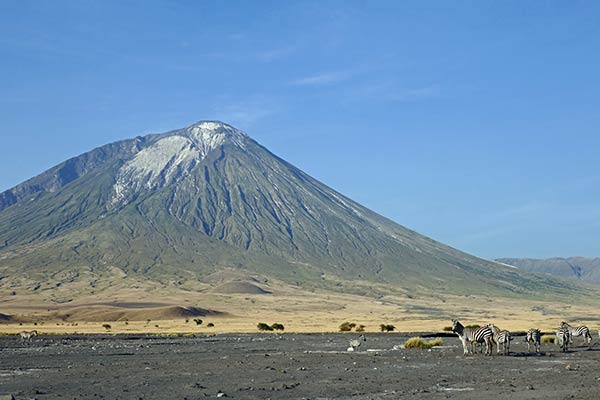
x: 474, y: 122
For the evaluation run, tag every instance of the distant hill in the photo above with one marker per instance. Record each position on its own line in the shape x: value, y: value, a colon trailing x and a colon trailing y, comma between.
x: 179, y: 207
x: 585, y: 269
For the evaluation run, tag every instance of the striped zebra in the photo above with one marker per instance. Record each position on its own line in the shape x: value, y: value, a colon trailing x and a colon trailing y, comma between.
x: 355, y: 343
x: 502, y: 338
x: 26, y: 336
x: 534, y: 336
x: 469, y: 336
x: 578, y: 331
x: 563, y: 337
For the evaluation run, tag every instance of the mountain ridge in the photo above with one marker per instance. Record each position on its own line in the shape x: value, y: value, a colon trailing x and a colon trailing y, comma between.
x: 582, y: 268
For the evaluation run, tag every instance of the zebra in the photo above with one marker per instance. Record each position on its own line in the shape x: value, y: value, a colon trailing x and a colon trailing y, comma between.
x: 355, y: 343
x: 473, y: 335
x: 26, y: 336
x: 534, y: 337
x: 563, y: 337
x: 502, y: 338
x: 578, y: 331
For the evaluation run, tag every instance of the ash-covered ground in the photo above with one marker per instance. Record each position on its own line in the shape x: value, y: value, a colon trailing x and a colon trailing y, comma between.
x: 289, y: 366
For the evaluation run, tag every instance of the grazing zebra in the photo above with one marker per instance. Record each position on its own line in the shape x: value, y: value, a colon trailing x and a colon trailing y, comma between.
x: 473, y: 335
x: 579, y: 331
x: 502, y: 338
x: 562, y: 338
x: 534, y: 337
x: 355, y: 343
x: 26, y: 336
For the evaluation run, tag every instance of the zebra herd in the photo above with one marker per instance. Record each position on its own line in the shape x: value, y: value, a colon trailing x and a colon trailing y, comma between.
x: 489, y: 334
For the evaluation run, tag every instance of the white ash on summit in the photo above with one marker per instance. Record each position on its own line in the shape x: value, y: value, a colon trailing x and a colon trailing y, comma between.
x: 172, y: 156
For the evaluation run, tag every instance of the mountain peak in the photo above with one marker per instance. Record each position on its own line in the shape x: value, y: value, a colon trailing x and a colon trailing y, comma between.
x: 172, y: 156
x: 212, y: 132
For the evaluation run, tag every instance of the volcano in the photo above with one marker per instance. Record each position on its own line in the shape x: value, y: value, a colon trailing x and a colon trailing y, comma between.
x: 185, y: 205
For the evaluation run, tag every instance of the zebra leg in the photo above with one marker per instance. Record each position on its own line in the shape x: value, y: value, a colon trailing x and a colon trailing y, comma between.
x: 465, y: 346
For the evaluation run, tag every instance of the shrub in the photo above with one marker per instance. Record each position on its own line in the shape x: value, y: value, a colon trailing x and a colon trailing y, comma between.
x: 360, y: 328
x: 548, y: 339
x: 345, y: 327
x: 420, y: 343
x: 387, y: 328
x: 106, y: 326
x: 447, y: 329
x: 352, y: 325
x: 210, y: 325
x: 263, y: 327
x: 277, y: 327
x: 474, y: 326
x: 198, y: 321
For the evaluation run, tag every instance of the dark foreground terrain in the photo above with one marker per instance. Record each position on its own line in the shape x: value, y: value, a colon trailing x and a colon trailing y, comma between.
x: 289, y: 366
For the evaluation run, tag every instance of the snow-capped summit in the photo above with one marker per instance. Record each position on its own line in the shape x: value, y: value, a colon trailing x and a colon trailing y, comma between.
x: 172, y: 156
x: 208, y: 135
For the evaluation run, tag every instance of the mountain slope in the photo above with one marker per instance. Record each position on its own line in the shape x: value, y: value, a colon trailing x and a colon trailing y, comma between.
x: 581, y: 268
x: 185, y: 204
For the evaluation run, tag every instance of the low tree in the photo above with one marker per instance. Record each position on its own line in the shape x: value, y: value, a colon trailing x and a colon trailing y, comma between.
x: 106, y: 326
x: 210, y: 325
x: 277, y: 327
x: 263, y: 327
x: 198, y: 321
x: 346, y: 327
x: 387, y: 328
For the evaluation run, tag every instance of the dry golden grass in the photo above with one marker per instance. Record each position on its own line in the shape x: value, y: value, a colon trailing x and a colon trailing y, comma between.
x: 547, y: 339
x: 127, y: 305
x: 420, y: 343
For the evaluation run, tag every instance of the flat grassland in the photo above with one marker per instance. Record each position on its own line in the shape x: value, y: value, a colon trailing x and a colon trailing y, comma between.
x: 298, y: 311
x: 309, y: 366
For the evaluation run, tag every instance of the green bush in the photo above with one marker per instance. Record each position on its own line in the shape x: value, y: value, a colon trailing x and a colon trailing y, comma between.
x: 345, y: 327
x: 263, y: 327
x: 387, y: 328
x: 360, y: 328
x: 210, y: 325
x: 277, y: 327
x: 420, y: 343
x: 198, y: 321
x: 447, y: 329
x: 474, y: 326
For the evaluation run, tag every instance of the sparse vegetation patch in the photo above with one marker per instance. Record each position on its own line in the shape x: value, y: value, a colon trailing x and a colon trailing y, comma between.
x: 264, y: 327
x: 420, y: 343
x: 548, y: 339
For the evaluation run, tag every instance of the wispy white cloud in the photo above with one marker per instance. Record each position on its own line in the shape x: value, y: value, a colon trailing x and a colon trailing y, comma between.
x: 275, y: 54
x: 417, y: 93
x: 245, y: 113
x: 391, y: 90
x: 321, y: 79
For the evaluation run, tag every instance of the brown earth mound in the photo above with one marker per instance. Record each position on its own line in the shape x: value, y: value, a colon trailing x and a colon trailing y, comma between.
x: 110, y: 313
x: 239, y: 287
